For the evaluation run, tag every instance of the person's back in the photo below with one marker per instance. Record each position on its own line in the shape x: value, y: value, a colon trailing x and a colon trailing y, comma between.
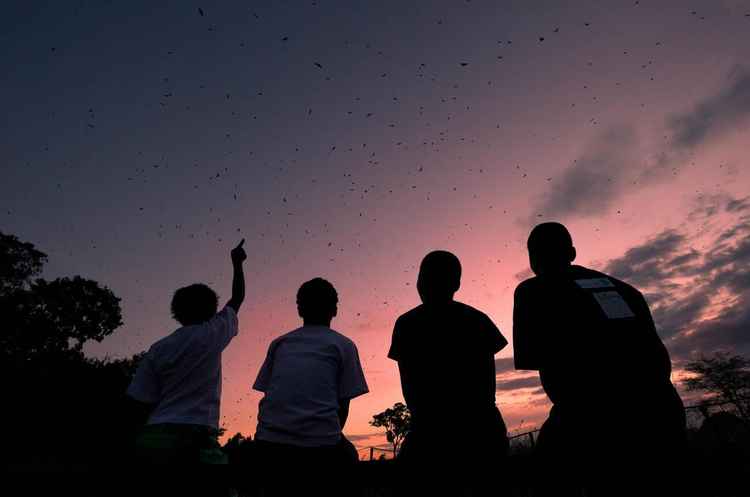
x: 446, y: 349
x: 301, y: 380
x: 579, y: 322
x: 445, y: 352
x: 599, y: 357
x: 177, y: 385
x: 188, y: 366
x: 308, y: 378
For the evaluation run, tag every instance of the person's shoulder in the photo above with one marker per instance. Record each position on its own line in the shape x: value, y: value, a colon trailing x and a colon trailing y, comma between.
x: 410, y: 316
x: 626, y: 289
x: 622, y: 286
x: 526, y: 286
x: 341, y: 339
x: 168, y: 341
x: 227, y: 311
x: 289, y: 334
x: 283, y: 337
x: 583, y: 272
x: 343, y: 343
x: 468, y: 310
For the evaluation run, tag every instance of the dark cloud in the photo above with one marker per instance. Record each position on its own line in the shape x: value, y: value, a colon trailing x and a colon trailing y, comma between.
x: 673, y: 315
x: 596, y: 178
x: 729, y: 270
x: 645, y: 265
x: 700, y: 299
x: 706, y: 206
x: 715, y: 115
x: 729, y: 331
x: 655, y: 249
x: 360, y: 437
x: 733, y: 247
x: 504, y: 365
x: 738, y: 205
x: 517, y: 383
x: 742, y: 229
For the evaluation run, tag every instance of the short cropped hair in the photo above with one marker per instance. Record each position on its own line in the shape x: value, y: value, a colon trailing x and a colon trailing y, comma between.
x: 194, y: 304
x: 551, y: 236
x: 317, y: 298
x: 442, y: 268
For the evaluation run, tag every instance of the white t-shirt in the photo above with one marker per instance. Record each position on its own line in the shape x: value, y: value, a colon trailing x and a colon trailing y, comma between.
x: 304, y: 375
x: 181, y: 373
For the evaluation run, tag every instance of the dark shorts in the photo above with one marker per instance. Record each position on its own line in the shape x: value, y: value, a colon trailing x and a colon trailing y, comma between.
x: 275, y: 455
x: 476, y: 447
x: 313, y: 471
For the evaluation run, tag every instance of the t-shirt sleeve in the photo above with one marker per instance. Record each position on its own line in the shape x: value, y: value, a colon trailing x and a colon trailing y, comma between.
x: 525, y: 346
x: 395, y: 352
x: 495, y: 339
x: 351, y: 378
x: 263, y: 380
x: 145, y: 386
x: 223, y: 327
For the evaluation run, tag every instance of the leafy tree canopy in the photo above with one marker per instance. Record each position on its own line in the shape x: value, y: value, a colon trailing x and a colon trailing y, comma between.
x: 396, y: 420
x: 45, y: 318
x: 19, y: 263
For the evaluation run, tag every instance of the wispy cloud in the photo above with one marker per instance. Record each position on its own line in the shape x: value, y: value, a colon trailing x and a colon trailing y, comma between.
x: 518, y: 383
x: 715, y: 115
x: 614, y: 162
x: 596, y: 178
x: 504, y: 365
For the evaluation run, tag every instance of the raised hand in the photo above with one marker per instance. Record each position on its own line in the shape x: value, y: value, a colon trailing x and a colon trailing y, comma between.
x: 238, y: 278
x: 238, y: 253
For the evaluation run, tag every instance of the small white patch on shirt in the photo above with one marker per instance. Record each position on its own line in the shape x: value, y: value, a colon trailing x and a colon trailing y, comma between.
x: 595, y: 283
x: 613, y: 305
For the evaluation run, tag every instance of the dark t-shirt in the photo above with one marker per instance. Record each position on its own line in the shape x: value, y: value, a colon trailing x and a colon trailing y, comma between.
x: 446, y: 355
x: 591, y: 337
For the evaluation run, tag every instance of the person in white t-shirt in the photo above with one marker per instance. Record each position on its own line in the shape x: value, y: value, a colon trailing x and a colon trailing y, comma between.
x: 178, y: 381
x: 308, y: 378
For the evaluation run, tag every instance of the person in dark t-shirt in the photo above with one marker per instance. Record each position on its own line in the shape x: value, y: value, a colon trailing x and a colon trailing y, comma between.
x: 445, y: 352
x: 599, y: 357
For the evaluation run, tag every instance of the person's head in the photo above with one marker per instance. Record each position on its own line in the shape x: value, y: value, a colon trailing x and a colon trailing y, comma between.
x: 194, y: 304
x: 317, y: 302
x: 550, y: 248
x: 439, y: 277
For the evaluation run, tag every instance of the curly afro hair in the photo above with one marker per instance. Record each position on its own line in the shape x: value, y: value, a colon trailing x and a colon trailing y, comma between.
x: 194, y: 304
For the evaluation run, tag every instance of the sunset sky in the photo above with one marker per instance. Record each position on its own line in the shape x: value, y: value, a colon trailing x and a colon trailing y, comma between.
x: 347, y: 139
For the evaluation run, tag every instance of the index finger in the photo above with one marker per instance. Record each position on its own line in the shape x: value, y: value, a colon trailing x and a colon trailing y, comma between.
x: 241, y: 243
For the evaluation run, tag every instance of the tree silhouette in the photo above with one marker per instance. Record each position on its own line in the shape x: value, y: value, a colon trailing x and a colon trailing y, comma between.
x: 397, y: 421
x: 46, y: 377
x: 725, y: 376
x: 19, y: 262
x: 48, y: 318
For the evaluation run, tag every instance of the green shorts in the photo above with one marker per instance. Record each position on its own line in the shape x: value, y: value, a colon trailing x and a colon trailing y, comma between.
x: 178, y: 444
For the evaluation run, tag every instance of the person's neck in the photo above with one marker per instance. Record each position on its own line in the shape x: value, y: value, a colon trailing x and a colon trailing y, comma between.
x: 557, y: 271
x: 327, y: 324
x: 438, y: 302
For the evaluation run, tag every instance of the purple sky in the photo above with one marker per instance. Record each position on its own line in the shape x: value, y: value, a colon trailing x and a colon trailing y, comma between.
x: 347, y: 139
